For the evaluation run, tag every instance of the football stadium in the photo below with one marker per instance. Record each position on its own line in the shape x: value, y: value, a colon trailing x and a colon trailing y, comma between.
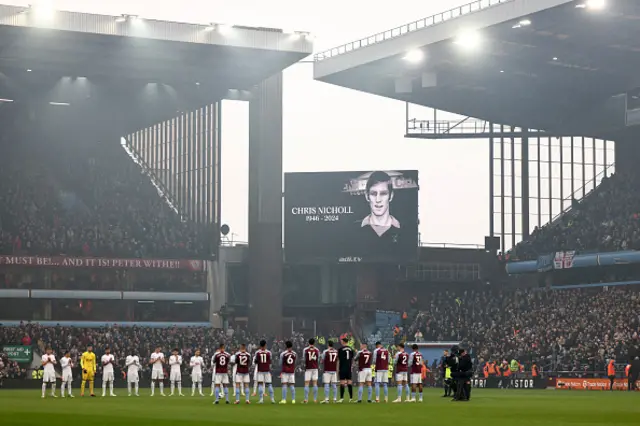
x: 123, y: 299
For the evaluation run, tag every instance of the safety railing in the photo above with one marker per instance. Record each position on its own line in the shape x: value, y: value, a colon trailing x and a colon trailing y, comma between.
x: 429, y: 21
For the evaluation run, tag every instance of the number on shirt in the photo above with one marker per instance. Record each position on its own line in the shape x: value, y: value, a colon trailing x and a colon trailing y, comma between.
x: 383, y: 356
x: 243, y: 360
x: 263, y: 358
x: 312, y: 356
x: 366, y: 358
x: 346, y: 354
x: 332, y: 356
x: 289, y: 360
x: 418, y: 359
x: 404, y: 360
x: 222, y: 360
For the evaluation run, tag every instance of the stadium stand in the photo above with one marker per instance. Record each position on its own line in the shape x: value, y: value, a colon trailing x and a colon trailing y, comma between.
x: 90, y: 201
x: 608, y: 219
x: 564, y: 330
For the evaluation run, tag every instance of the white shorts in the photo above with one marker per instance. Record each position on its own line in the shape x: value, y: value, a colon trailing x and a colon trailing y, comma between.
x: 157, y: 375
x: 133, y: 377
x: 330, y: 377
x: 288, y: 378
x: 364, y: 376
x: 311, y: 376
x: 263, y: 377
x: 402, y: 377
x: 175, y: 376
x: 382, y: 377
x: 416, y: 378
x: 49, y: 377
x: 67, y: 377
x: 107, y: 376
x: 242, y: 378
x: 196, y: 377
x: 221, y: 379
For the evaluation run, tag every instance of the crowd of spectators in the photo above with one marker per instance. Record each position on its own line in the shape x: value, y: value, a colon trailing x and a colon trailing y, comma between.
x: 142, y: 341
x: 607, y: 219
x: 91, y: 202
x: 565, y: 330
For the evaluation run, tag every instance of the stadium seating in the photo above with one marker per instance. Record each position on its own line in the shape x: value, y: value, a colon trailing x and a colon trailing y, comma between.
x: 91, y: 202
x: 607, y: 219
x: 568, y: 330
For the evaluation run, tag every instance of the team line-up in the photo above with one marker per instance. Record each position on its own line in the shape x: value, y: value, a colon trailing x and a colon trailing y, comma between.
x: 337, y: 367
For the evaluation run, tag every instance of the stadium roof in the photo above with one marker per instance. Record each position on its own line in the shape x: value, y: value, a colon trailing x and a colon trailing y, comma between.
x: 44, y: 52
x: 553, y: 65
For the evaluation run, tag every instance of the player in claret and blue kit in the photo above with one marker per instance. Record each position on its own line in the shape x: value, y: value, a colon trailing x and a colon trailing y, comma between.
x: 364, y: 358
x: 262, y: 359
x: 288, y: 376
x: 311, y: 356
x: 242, y: 362
x: 381, y: 361
x: 401, y: 362
x: 221, y: 361
x: 330, y: 376
x: 415, y: 363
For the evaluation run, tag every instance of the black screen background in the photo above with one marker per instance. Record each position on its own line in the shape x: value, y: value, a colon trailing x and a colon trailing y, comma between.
x: 310, y: 241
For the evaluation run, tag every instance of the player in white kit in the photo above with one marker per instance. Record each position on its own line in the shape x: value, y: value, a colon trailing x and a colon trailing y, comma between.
x: 49, y: 373
x: 67, y: 376
x: 196, y: 365
x: 175, y: 375
x: 107, y: 360
x: 157, y: 373
x: 132, y: 363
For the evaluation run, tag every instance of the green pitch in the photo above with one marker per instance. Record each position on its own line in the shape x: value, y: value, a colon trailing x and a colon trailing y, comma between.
x: 488, y: 407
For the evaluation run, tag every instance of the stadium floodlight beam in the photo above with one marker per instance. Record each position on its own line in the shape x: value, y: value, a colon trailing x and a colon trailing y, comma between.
x: 414, y: 56
x: 2, y: 100
x: 59, y: 103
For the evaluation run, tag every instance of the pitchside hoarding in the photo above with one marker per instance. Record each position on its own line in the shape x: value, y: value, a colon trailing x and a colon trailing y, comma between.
x: 351, y: 216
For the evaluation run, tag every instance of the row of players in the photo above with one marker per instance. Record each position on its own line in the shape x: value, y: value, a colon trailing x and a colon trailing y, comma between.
x: 337, y: 368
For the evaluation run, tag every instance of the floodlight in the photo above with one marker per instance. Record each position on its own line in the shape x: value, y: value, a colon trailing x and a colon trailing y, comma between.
x: 469, y: 40
x: 522, y: 23
x: 43, y: 9
x: 210, y: 27
x: 5, y: 100
x: 224, y: 28
x: 596, y: 4
x: 120, y: 19
x: 414, y: 56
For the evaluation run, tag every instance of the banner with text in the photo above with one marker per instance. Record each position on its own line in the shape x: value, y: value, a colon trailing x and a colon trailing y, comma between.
x: 563, y: 259
x: 351, y: 216
x: 101, y: 262
x: 506, y: 383
x: 592, y: 384
x: 18, y: 353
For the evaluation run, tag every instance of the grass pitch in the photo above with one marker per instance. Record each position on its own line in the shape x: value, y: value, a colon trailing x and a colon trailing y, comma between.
x: 488, y: 407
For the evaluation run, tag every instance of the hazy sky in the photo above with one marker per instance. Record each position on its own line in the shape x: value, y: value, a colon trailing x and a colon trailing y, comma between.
x: 331, y: 128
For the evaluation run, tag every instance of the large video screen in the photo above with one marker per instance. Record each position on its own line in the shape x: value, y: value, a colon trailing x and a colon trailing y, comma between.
x: 351, y: 216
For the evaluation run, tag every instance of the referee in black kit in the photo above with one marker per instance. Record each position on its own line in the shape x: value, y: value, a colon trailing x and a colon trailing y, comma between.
x: 345, y: 364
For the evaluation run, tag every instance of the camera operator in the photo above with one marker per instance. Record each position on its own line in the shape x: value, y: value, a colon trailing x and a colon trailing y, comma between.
x: 462, y: 376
